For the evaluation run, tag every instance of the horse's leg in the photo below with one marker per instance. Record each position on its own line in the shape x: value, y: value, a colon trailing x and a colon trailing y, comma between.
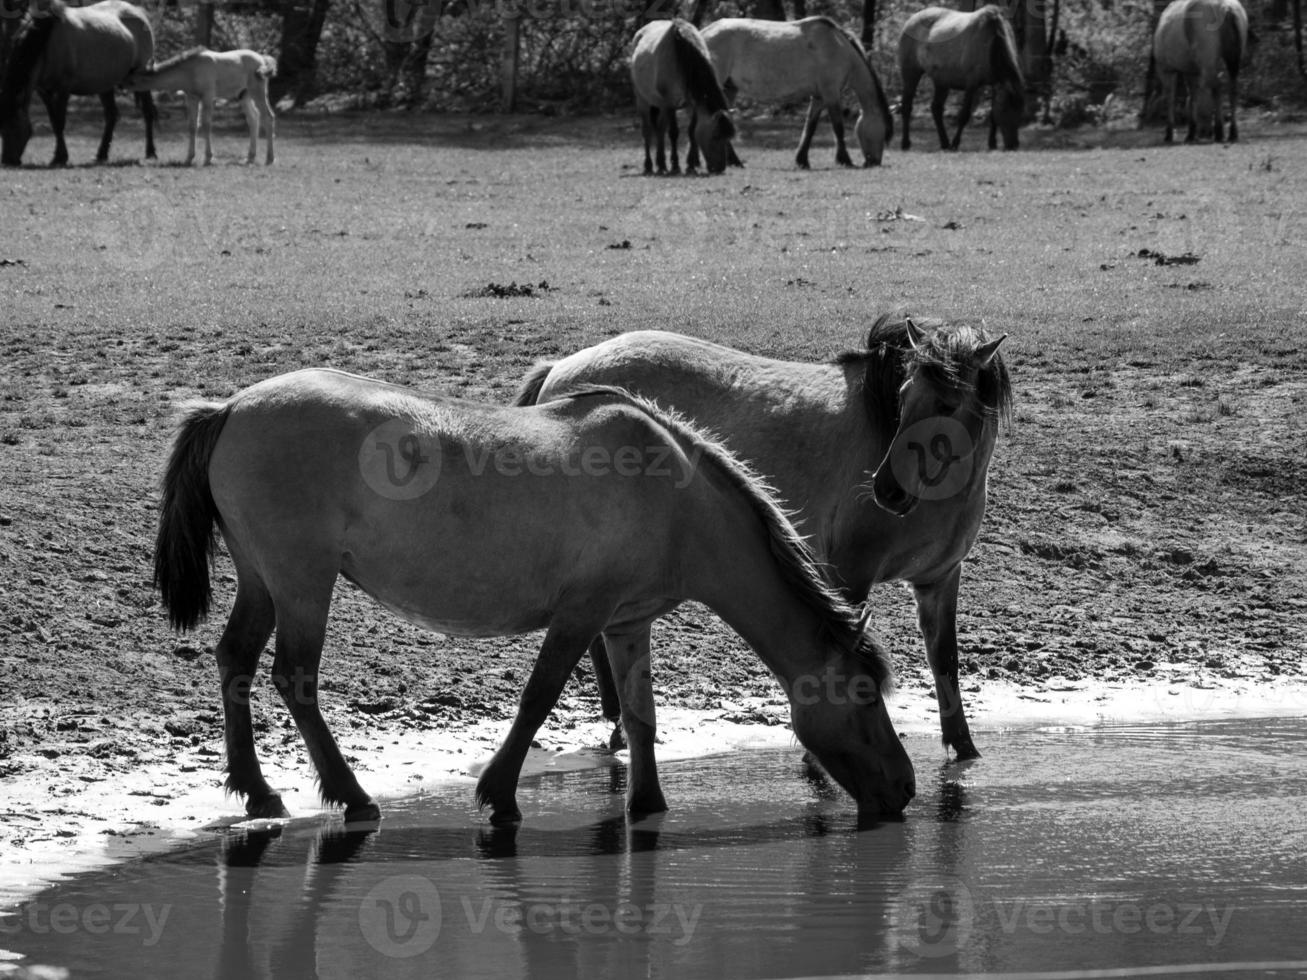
x: 647, y: 131
x: 628, y: 653
x: 937, y: 613
x: 1218, y: 123
x: 937, y: 101
x: 673, y: 134
x: 836, y: 113
x: 56, y: 106
x: 660, y: 134
x: 110, y: 121
x: 911, y: 79
x: 1168, y: 86
x: 692, y: 151
x: 301, y: 629
x: 206, y: 116
x: 269, y: 119
x: 248, y: 629
x: 964, y: 114
x: 993, y: 119
x: 145, y: 100
x: 192, y: 125
x: 252, y: 122
x: 609, y: 702
x: 809, y: 127
x: 564, y: 645
x: 1191, y: 90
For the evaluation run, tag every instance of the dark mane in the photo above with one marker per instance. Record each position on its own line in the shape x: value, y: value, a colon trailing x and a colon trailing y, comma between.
x: 173, y: 62
x: 798, y: 564
x: 28, y: 46
x: 941, y: 358
x: 881, y: 100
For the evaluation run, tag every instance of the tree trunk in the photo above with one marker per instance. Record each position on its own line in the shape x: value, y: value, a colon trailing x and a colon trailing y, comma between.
x: 868, y: 23
x: 1297, y: 33
x: 1146, y: 111
x: 301, y: 29
x: 700, y: 8
x: 1035, y: 60
x: 769, y: 10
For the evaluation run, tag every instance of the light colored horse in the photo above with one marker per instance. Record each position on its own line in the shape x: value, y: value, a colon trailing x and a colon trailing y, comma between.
x: 669, y: 69
x: 966, y: 51
x: 853, y: 445
x: 813, y: 58
x: 70, y: 51
x: 1195, y: 38
x: 593, y: 514
x: 203, y: 76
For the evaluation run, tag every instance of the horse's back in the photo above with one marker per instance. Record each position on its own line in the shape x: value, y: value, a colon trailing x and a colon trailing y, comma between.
x: 96, y: 47
x: 944, y: 44
x: 653, y: 65
x: 1194, y: 35
x: 779, y: 60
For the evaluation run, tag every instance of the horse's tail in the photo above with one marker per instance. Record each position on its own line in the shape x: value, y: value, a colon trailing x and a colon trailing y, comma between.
x: 1004, y: 62
x: 1232, y: 42
x: 188, y: 518
x: 697, y: 72
x: 529, y: 392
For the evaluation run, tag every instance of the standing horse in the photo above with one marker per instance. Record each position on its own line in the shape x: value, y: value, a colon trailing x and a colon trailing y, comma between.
x: 815, y: 431
x: 74, y: 51
x: 204, y: 76
x: 778, y: 61
x: 1195, y: 38
x: 589, y: 515
x: 670, y: 68
x: 966, y: 51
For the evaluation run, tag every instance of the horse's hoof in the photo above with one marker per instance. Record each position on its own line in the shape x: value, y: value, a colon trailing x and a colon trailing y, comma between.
x: 965, y: 750
x: 367, y: 812
x: 506, y: 817
x: 269, y: 807
x: 646, y: 803
x: 617, y: 740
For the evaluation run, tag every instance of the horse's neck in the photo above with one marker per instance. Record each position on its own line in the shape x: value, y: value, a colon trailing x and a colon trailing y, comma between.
x: 863, y: 84
x: 729, y: 565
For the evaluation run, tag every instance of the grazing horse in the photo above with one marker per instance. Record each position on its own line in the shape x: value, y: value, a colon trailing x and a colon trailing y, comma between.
x: 73, y: 51
x: 901, y: 410
x: 589, y: 515
x: 670, y: 68
x: 1195, y: 38
x: 778, y: 61
x: 966, y: 51
x: 204, y: 76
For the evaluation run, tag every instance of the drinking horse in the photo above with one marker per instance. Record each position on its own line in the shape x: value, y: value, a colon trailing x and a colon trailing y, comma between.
x: 593, y: 514
x: 883, y: 454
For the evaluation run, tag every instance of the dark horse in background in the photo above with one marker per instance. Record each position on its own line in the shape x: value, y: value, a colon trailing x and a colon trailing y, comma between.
x: 966, y: 51
x: 74, y: 51
x: 836, y: 440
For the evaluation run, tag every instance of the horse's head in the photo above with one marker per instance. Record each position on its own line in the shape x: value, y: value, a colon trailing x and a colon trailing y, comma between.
x: 954, y: 385
x: 713, y: 133
x: 840, y: 718
x: 1009, y: 107
x: 873, y: 133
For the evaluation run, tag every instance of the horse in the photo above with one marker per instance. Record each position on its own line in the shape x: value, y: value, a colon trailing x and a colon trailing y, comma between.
x: 670, y: 68
x: 966, y: 51
x: 73, y: 51
x: 205, y: 75
x: 779, y: 61
x: 919, y: 410
x: 592, y: 514
x: 1194, y: 38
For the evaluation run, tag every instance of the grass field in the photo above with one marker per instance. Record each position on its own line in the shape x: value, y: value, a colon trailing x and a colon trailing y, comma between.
x: 1148, y: 507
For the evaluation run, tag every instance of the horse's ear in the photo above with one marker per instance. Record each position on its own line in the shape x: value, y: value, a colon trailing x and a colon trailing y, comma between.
x: 915, y: 334
x: 985, y: 352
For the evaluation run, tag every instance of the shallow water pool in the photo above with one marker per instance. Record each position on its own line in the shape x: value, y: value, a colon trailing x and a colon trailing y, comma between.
x: 1149, y: 850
